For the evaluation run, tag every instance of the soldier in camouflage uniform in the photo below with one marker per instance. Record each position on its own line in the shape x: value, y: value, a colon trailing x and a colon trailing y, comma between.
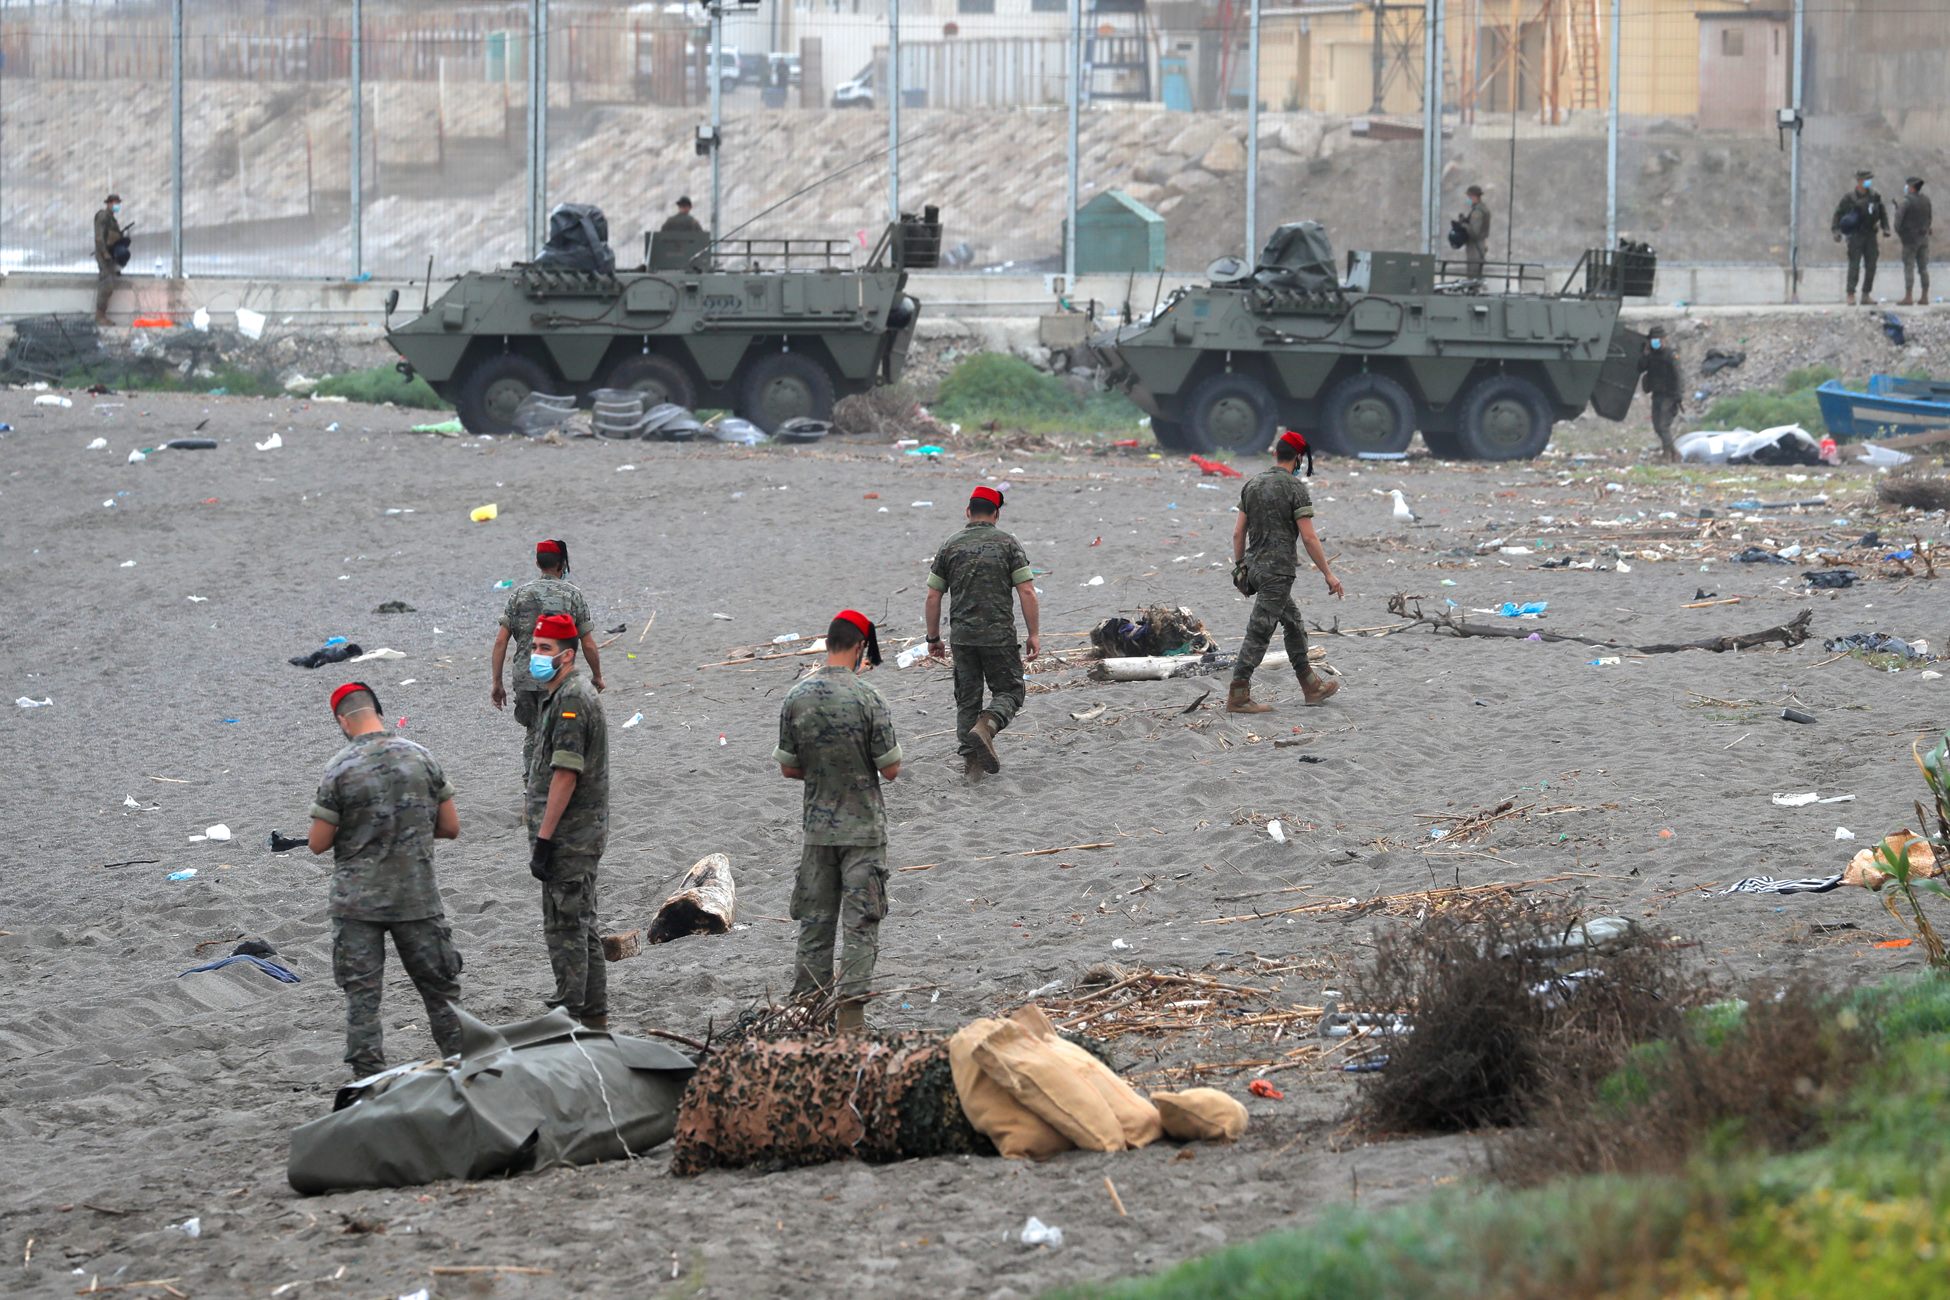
x: 1275, y: 512
x: 382, y: 804
x: 978, y: 567
x: 568, y: 818
x: 836, y: 735
x: 108, y: 233
x: 552, y: 593
x: 1860, y: 219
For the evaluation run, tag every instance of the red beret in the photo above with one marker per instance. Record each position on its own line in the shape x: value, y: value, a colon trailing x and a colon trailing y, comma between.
x: 549, y: 547
x: 556, y: 627
x: 987, y: 494
x: 350, y: 687
x: 1293, y: 439
x: 858, y: 620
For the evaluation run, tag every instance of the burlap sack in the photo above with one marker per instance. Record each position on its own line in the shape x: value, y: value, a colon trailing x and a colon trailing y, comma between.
x: 1867, y: 868
x: 1017, y: 1131
x: 1137, y: 1117
x: 1035, y: 1075
x: 1201, y: 1115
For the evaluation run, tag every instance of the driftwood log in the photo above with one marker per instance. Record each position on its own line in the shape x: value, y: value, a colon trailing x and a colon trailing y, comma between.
x: 1156, y: 668
x: 705, y: 902
x: 1788, y: 634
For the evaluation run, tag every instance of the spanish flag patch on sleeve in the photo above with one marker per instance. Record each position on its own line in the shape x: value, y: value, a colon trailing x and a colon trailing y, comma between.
x: 567, y: 714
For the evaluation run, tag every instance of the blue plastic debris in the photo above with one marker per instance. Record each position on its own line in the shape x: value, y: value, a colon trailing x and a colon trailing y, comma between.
x: 1513, y: 610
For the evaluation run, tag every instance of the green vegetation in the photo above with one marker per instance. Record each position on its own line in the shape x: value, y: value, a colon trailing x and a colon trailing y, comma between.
x: 995, y: 386
x: 137, y: 377
x: 1794, y: 403
x: 382, y: 384
x: 1823, y: 1173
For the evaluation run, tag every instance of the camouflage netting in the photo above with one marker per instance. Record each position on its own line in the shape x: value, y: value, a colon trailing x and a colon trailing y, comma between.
x: 787, y: 1102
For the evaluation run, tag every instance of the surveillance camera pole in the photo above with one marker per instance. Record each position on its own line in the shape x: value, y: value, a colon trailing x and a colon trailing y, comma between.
x: 711, y: 62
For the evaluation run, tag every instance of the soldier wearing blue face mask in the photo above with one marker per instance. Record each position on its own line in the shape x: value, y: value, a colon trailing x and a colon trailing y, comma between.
x: 568, y: 819
x: 1659, y: 364
x: 1858, y: 218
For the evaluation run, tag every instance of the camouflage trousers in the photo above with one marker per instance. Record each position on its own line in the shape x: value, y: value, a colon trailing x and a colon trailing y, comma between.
x: 1665, y: 408
x: 999, y: 667
x: 426, y: 949
x: 108, y: 277
x: 1862, y: 257
x: 1916, y: 265
x: 841, y: 887
x: 575, y: 944
x: 1273, y: 608
x: 528, y: 711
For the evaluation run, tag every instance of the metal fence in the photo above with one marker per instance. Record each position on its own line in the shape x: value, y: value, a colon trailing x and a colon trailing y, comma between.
x: 280, y: 138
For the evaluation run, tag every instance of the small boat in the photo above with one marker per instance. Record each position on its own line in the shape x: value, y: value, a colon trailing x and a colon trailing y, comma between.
x: 1893, y: 407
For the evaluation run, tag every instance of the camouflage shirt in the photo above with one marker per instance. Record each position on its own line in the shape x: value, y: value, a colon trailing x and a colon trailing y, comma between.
x: 834, y: 726
x: 382, y: 792
x: 1274, y: 502
x: 528, y: 602
x: 979, y: 567
x: 572, y: 734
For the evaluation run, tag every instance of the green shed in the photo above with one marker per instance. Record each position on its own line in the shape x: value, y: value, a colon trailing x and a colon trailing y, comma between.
x: 1117, y: 233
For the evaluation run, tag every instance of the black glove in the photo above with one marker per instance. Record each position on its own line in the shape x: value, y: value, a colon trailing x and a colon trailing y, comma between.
x: 282, y: 843
x: 538, y: 859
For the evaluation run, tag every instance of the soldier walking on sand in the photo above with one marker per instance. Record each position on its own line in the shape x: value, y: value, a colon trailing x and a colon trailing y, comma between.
x: 978, y: 567
x: 568, y: 819
x: 552, y: 593
x: 1857, y: 218
x: 1276, y: 513
x: 108, y: 233
x: 836, y: 735
x: 382, y: 804
x: 1476, y: 225
x: 1659, y: 363
x: 1913, y: 228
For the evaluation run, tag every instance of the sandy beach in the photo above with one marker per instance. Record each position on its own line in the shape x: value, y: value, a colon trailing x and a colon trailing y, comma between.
x: 156, y: 603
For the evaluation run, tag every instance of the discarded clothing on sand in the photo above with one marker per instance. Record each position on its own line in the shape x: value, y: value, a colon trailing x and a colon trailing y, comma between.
x: 271, y: 968
x: 1868, y: 869
x: 1757, y: 555
x: 1879, y: 643
x: 1785, y: 444
x: 335, y: 651
x: 1829, y: 579
x: 1157, y: 630
x: 519, y: 1096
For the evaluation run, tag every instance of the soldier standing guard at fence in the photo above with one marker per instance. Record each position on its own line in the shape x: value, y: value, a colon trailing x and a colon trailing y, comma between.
x: 552, y: 593
x: 1913, y: 228
x: 568, y: 818
x: 1476, y: 225
x: 978, y: 567
x: 382, y: 804
x: 1276, y: 513
x: 836, y: 735
x: 108, y: 233
x: 1857, y: 219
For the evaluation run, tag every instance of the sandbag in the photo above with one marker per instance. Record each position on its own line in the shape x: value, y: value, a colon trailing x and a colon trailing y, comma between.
x: 1036, y: 1077
x: 704, y: 903
x: 1137, y: 1117
x: 791, y: 1102
x: 1201, y: 1115
x: 519, y: 1096
x: 1017, y: 1131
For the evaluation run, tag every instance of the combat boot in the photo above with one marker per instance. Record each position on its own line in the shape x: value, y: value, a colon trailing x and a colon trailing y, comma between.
x: 1907, y: 301
x: 1851, y: 300
x: 983, y: 734
x: 972, y: 768
x: 1239, y: 699
x: 852, y: 1018
x: 1317, y: 689
x: 598, y: 1023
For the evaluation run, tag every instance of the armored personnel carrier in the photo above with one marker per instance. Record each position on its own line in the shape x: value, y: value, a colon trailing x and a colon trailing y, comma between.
x: 773, y: 329
x: 1482, y: 366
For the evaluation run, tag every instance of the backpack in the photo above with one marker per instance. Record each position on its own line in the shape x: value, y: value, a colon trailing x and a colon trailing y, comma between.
x: 578, y: 240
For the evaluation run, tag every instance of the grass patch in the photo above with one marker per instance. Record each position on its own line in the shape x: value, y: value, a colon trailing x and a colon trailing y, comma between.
x: 1794, y: 402
x: 381, y: 384
x: 1862, y: 1210
x: 994, y: 386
